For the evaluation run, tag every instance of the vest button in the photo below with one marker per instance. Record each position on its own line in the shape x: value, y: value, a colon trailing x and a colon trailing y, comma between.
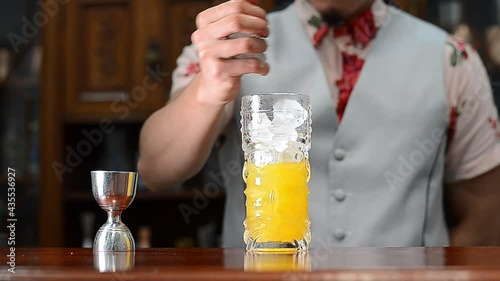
x: 339, y: 234
x: 339, y: 195
x: 339, y: 154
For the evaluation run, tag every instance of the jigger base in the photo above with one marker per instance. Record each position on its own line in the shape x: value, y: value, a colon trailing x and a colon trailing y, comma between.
x: 114, y: 240
x: 107, y: 261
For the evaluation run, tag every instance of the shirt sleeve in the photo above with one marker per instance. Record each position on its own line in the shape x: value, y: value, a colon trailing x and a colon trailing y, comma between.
x: 186, y: 70
x: 474, y: 133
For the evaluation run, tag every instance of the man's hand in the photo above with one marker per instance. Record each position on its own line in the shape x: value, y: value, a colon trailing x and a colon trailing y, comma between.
x: 221, y: 72
x: 473, y: 209
x: 187, y: 127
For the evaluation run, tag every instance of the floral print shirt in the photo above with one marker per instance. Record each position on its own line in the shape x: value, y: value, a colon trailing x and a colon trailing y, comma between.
x: 474, y: 130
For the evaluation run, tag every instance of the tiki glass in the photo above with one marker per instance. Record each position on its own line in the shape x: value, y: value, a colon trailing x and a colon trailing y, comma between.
x: 276, y: 134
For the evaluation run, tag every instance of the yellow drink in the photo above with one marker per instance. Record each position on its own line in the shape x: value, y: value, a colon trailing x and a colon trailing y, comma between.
x: 276, y: 138
x: 277, y: 204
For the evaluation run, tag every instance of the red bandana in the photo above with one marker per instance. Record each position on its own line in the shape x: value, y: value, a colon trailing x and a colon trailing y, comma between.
x: 362, y: 29
x: 352, y: 66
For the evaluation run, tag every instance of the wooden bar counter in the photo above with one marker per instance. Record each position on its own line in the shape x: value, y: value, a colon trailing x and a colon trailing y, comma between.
x: 234, y: 264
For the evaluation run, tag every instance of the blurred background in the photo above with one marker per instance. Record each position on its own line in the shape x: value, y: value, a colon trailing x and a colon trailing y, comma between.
x: 79, y: 77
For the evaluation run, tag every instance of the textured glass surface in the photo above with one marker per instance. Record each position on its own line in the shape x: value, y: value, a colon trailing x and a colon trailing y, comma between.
x: 276, y: 132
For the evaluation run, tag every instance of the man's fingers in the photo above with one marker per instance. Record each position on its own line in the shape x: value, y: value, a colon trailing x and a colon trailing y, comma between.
x: 219, y: 12
x: 225, y: 70
x: 232, y: 47
x: 239, y: 67
x: 231, y: 25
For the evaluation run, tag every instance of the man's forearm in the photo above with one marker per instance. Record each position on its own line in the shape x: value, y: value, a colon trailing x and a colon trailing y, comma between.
x: 176, y: 140
x: 470, y: 233
x: 473, y: 210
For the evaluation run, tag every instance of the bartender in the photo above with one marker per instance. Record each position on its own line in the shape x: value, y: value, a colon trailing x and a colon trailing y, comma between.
x: 404, y: 123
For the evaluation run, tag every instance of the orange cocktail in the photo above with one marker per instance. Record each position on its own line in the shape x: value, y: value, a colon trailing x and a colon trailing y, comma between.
x: 277, y: 205
x: 276, y: 130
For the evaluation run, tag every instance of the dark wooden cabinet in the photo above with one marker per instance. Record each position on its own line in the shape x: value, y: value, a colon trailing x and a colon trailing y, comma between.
x: 114, y: 53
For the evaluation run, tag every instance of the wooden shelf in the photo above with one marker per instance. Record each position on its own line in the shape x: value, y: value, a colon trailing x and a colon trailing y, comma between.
x: 97, y: 118
x: 141, y: 195
x: 23, y: 82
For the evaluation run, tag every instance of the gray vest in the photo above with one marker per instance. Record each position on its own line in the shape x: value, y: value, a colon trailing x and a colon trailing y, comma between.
x: 376, y: 178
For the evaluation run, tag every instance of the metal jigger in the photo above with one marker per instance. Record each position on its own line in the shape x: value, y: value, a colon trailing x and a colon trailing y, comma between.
x: 114, y: 191
x: 114, y: 261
